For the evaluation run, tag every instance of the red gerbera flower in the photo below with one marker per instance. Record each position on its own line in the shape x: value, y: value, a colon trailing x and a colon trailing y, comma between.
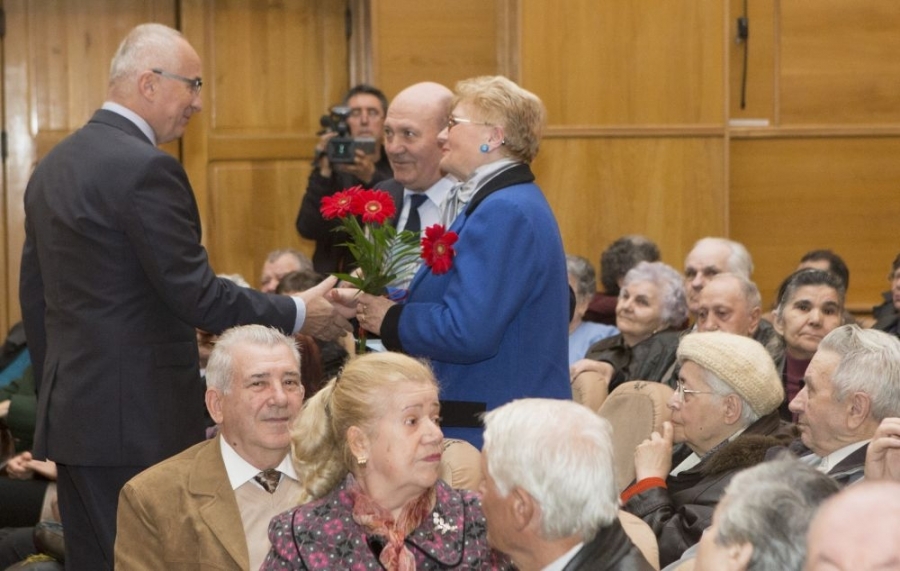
x: 374, y: 206
x: 339, y: 204
x: 437, y: 248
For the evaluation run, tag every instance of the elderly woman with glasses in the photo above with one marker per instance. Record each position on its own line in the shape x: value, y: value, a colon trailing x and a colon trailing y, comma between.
x: 367, y: 450
x: 724, y: 419
x: 651, y: 308
x: 489, y: 310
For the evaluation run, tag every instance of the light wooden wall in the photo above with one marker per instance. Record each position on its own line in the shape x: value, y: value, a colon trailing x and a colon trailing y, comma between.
x: 641, y: 98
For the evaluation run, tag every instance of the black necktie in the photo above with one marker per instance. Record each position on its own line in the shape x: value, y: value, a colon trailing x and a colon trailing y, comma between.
x: 413, y: 222
x: 268, y: 479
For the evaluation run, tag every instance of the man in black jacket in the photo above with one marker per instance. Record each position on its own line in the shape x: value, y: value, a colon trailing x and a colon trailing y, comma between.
x: 549, y: 493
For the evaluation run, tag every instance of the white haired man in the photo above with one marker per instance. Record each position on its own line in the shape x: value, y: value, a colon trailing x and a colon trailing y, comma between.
x: 851, y: 385
x: 551, y: 504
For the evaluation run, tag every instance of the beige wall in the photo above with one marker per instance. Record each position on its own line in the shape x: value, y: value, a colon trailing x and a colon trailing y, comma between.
x: 641, y: 98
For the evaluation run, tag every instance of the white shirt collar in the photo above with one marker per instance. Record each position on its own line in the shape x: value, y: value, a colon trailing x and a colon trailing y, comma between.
x: 141, y: 123
x: 240, y: 471
x: 830, y: 461
x: 561, y: 562
x: 437, y: 192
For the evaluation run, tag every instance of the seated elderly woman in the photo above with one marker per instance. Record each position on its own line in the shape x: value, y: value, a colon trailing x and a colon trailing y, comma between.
x: 651, y: 307
x: 762, y: 520
x: 810, y: 306
x: 724, y: 419
x: 490, y: 339
x: 367, y: 449
x: 583, y: 334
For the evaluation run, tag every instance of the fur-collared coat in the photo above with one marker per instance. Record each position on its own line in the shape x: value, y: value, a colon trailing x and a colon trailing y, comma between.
x: 681, y: 511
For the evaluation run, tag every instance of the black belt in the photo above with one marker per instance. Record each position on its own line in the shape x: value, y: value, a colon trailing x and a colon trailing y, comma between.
x: 462, y: 414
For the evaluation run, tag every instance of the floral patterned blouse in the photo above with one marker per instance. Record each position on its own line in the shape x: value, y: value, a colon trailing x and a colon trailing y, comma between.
x: 323, y: 535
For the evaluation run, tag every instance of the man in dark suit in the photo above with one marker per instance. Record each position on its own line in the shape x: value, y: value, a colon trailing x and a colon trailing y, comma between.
x: 113, y: 282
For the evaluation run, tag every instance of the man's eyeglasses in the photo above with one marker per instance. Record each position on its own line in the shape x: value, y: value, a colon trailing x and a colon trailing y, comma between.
x: 195, y: 84
x: 454, y: 121
x: 681, y: 391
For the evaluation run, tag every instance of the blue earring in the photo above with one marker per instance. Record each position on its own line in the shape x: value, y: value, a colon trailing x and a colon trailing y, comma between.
x: 484, y: 148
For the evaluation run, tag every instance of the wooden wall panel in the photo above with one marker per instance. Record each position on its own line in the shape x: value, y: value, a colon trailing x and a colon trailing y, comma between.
x: 670, y: 189
x: 635, y: 63
x: 421, y: 40
x: 840, y: 62
x: 56, y: 57
x: 789, y: 196
x: 272, y: 69
x: 244, y: 199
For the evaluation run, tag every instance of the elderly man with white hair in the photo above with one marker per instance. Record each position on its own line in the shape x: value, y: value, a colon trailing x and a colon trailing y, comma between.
x: 724, y: 418
x: 551, y: 504
x: 851, y: 386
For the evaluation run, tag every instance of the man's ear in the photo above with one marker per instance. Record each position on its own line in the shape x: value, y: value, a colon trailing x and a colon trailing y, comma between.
x: 525, y: 509
x: 859, y: 405
x: 148, y: 83
x: 739, y: 555
x: 755, y: 315
x: 359, y: 443
x: 214, y: 404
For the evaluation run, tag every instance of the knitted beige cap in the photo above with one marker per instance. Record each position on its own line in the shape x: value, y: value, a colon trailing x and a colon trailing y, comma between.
x: 739, y: 361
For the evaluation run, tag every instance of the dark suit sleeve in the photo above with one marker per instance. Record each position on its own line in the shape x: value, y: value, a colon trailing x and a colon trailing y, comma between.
x: 31, y: 301
x: 162, y: 223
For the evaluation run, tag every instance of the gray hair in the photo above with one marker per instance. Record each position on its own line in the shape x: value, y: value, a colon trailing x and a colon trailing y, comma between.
x: 582, y: 270
x: 671, y: 286
x: 739, y: 261
x: 220, y: 368
x: 722, y: 388
x: 146, y: 46
x: 870, y: 363
x: 748, y: 289
x: 302, y: 259
x: 770, y: 506
x: 566, y: 464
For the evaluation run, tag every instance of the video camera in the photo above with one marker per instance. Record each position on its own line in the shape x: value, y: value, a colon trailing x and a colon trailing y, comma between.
x: 342, y: 147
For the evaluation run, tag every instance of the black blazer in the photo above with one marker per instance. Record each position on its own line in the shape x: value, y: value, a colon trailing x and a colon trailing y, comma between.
x: 113, y: 282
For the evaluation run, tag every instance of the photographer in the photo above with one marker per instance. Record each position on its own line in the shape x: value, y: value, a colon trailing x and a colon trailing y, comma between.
x: 362, y: 118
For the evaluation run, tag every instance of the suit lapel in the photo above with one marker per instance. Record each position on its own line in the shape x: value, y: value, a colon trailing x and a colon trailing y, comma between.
x: 218, y: 506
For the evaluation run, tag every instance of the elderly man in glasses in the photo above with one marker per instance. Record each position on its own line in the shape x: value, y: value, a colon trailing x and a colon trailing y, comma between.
x: 724, y: 418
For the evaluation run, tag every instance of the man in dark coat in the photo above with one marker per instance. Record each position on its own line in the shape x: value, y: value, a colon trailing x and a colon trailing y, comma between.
x: 114, y: 281
x: 549, y: 493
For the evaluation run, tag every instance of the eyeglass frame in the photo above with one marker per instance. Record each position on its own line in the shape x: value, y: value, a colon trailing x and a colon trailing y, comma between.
x: 681, y: 391
x: 195, y: 84
x: 453, y: 121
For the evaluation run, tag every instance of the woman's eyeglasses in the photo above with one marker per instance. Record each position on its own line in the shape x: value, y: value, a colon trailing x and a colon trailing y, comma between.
x: 454, y: 121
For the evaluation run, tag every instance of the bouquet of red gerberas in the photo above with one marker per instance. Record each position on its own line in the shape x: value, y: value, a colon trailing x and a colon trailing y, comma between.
x: 380, y: 251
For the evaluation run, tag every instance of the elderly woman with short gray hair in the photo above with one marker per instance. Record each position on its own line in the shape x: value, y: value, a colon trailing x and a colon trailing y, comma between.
x: 651, y: 309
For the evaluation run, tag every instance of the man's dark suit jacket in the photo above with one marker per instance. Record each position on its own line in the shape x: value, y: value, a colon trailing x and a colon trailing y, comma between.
x: 113, y: 282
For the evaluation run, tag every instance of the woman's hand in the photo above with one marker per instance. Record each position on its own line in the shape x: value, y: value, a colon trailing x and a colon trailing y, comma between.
x: 370, y: 311
x: 653, y: 456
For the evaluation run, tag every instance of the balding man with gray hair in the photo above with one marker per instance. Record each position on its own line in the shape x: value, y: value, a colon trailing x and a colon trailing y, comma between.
x: 711, y: 256
x: 415, y: 117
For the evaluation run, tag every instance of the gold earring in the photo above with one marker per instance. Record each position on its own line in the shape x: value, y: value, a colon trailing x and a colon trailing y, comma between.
x: 362, y: 461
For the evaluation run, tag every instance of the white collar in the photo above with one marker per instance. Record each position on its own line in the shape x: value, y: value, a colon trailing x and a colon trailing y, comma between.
x: 240, y: 471
x: 437, y: 192
x: 560, y: 563
x: 141, y: 123
x: 831, y: 460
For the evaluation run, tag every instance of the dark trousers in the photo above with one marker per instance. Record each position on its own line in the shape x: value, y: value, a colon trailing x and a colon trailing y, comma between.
x: 88, y: 499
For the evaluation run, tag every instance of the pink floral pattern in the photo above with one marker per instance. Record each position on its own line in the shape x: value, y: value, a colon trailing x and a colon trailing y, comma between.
x: 322, y: 535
